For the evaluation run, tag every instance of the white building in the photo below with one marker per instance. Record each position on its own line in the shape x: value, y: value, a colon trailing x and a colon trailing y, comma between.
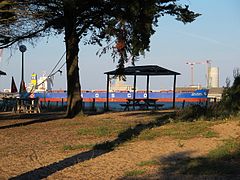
x: 213, y: 77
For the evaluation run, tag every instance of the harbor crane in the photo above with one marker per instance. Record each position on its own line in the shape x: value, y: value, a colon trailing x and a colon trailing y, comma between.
x: 192, y: 64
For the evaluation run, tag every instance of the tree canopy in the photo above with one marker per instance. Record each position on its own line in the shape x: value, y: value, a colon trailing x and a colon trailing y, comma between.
x: 125, y: 26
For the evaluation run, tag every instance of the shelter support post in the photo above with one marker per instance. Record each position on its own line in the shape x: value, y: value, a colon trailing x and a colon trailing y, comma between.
x: 147, y: 86
x: 134, y: 90
x: 108, y: 79
x: 174, y: 90
x: 147, y: 70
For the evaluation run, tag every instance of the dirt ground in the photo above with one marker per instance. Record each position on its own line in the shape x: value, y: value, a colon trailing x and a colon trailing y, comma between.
x: 37, y: 147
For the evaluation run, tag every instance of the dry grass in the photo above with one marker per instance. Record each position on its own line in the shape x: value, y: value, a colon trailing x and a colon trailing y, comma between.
x: 62, y: 147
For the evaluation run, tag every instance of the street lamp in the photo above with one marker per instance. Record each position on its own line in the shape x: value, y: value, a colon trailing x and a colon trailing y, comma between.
x: 22, y: 48
x: 22, y: 89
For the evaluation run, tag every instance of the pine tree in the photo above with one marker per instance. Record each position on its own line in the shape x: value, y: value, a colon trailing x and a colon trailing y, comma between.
x: 128, y: 24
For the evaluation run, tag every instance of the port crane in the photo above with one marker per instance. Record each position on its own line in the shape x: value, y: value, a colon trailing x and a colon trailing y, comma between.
x: 192, y: 64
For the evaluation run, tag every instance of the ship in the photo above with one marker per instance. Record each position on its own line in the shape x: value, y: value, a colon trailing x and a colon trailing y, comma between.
x: 198, y: 95
x: 119, y: 93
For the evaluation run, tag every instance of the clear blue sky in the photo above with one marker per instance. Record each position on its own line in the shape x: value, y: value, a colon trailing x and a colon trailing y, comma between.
x: 213, y: 36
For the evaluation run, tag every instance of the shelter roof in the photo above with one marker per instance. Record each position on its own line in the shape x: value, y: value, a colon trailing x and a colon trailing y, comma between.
x: 2, y: 73
x: 152, y: 70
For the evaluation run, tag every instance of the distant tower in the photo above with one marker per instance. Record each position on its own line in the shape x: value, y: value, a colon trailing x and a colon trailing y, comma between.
x: 213, y: 77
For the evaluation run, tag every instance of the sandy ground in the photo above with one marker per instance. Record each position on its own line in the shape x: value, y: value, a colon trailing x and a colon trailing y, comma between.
x: 32, y: 148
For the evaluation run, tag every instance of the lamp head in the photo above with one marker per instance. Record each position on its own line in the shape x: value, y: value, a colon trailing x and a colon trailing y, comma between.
x: 22, y: 48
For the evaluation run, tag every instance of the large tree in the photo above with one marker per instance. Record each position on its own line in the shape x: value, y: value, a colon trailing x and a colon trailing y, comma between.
x: 123, y: 26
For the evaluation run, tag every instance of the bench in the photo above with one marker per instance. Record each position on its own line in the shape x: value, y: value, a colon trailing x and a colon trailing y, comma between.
x: 141, y: 106
x: 156, y: 106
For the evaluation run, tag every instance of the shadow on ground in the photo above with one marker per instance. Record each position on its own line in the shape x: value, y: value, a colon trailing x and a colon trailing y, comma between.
x: 148, y: 112
x: 98, y: 150
x: 28, y: 119
x: 182, y: 166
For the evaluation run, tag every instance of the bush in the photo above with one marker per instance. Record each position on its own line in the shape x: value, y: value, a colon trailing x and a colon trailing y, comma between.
x: 191, y: 113
x: 230, y: 103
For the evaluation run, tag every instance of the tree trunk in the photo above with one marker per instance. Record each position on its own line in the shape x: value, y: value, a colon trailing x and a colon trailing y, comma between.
x: 74, y: 102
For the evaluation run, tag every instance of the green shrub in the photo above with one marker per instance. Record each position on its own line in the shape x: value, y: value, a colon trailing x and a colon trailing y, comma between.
x: 230, y: 103
x: 191, y: 113
x: 228, y: 106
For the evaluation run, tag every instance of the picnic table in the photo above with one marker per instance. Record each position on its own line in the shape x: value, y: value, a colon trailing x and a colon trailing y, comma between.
x: 27, y: 105
x: 142, y: 103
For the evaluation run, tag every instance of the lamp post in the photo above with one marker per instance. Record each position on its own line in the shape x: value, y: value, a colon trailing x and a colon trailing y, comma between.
x: 22, y: 48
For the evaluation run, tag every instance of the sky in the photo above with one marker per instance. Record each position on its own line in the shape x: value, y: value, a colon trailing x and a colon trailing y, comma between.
x: 215, y: 36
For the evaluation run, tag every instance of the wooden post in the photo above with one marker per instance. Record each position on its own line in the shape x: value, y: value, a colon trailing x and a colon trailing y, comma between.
x: 174, y: 90
x: 134, y: 90
x: 83, y: 105
x: 62, y: 102
x: 147, y: 86
x: 104, y: 105
x: 107, y: 108
x: 93, y: 105
x: 183, y: 104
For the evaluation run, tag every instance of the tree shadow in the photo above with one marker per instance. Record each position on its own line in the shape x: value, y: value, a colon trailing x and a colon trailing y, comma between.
x: 98, y: 150
x: 133, y: 132
x: 45, y: 171
x: 148, y: 113
x: 36, y: 118
x: 14, y: 116
x: 182, y: 166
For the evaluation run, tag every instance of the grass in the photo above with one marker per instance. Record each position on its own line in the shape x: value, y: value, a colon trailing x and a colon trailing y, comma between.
x: 181, y: 130
x: 103, y: 128
x: 148, y: 163
x: 224, y: 160
x: 72, y: 123
x: 77, y: 147
x: 149, y: 134
x: 135, y: 172
x: 100, y: 131
x: 210, y: 134
x: 227, y: 150
x: 82, y: 132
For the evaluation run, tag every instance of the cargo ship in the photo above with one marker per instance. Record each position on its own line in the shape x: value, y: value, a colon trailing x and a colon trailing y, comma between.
x: 119, y: 92
x: 199, y: 95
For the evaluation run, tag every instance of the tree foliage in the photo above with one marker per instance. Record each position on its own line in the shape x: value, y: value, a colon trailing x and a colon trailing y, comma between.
x: 230, y: 103
x: 123, y: 27
x: 128, y: 23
